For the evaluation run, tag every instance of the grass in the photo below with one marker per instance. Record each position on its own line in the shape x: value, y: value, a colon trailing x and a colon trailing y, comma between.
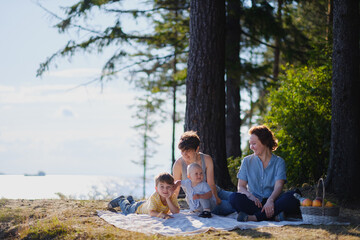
x: 77, y: 219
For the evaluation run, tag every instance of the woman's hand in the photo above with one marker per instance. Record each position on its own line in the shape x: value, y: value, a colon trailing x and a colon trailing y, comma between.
x: 269, y: 208
x: 269, y: 205
x: 218, y: 200
x: 177, y: 184
x: 255, y: 200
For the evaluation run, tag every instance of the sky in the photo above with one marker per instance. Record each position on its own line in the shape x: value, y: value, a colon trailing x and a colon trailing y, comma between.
x: 50, y: 124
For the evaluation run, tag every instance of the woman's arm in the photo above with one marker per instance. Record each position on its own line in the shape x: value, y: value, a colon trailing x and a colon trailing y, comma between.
x: 269, y: 205
x: 210, y: 177
x: 177, y: 172
x: 242, y: 188
x: 279, y: 185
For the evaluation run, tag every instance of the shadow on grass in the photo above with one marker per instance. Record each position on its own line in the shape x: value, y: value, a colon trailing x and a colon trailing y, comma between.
x: 46, y: 235
x: 338, y: 231
x: 253, y: 233
x: 343, y: 230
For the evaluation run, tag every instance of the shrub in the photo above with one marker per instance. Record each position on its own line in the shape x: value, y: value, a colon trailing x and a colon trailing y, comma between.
x: 300, y: 115
x: 234, y: 166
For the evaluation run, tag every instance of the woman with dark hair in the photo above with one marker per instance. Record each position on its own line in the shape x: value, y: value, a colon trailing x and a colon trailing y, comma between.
x: 261, y: 180
x: 189, y: 147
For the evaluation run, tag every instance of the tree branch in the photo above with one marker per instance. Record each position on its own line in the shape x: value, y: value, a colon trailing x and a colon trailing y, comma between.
x: 74, y: 25
x: 257, y: 40
x: 186, y: 7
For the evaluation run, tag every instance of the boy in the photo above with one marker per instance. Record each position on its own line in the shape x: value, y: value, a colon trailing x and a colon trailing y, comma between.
x: 198, y: 192
x: 159, y: 204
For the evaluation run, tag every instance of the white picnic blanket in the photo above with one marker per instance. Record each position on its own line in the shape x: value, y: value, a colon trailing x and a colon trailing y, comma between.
x: 183, y: 223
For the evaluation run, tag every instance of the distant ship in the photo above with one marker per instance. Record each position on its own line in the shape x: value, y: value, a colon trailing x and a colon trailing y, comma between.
x: 40, y: 173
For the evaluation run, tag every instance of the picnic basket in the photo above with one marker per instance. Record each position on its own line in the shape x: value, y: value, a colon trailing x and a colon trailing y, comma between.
x: 320, y: 215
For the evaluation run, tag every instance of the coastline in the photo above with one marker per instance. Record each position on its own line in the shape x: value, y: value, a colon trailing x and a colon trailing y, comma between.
x: 80, y: 187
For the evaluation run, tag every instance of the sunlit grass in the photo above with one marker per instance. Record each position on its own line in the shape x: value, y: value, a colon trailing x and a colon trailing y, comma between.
x: 77, y: 219
x: 48, y: 229
x: 14, y: 216
x: 3, y: 201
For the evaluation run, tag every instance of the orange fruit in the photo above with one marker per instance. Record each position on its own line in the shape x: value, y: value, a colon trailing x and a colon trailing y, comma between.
x: 316, y: 203
x: 306, y: 202
x: 329, y: 204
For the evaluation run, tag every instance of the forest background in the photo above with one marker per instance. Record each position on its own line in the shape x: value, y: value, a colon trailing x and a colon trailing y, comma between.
x: 239, y: 63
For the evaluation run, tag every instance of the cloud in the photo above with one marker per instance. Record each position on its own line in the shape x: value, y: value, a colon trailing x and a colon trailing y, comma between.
x: 4, y: 89
x: 65, y: 93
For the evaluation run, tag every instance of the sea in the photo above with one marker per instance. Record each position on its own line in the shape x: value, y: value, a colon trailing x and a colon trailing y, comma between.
x: 79, y: 187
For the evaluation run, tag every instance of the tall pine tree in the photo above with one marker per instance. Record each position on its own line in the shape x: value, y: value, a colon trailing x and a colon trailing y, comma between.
x: 205, y: 86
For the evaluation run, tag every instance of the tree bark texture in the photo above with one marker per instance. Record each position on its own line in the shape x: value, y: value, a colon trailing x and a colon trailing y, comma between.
x: 233, y: 74
x: 277, y: 43
x: 344, y: 167
x: 205, y: 86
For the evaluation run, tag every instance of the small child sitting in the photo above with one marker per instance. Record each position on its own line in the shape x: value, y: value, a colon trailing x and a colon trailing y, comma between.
x: 198, y: 192
x: 159, y: 204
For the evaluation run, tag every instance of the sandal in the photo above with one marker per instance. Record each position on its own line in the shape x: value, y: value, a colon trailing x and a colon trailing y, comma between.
x: 242, y: 217
x: 115, y: 202
x: 280, y: 217
x: 130, y: 199
x: 205, y: 214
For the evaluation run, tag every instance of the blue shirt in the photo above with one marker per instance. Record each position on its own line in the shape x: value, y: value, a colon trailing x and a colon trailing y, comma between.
x: 261, y: 181
x: 190, y: 191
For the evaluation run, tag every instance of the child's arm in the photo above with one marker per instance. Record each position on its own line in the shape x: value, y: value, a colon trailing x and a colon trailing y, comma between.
x: 154, y: 213
x: 173, y: 208
x: 207, y: 195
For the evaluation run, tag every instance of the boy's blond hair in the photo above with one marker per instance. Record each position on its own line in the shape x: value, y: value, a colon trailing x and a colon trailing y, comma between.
x: 164, y: 178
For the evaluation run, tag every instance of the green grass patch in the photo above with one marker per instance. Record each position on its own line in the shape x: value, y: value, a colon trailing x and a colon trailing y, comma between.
x: 14, y: 216
x: 3, y: 201
x: 49, y: 229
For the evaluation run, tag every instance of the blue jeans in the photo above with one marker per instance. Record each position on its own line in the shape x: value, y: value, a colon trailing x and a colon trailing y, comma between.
x: 224, y: 208
x: 206, y: 204
x: 286, y: 203
x: 127, y: 207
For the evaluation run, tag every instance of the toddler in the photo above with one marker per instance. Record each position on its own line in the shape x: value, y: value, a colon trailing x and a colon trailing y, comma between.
x: 198, y: 192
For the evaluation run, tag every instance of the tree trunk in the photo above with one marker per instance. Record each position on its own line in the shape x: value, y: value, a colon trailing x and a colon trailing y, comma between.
x: 174, y: 91
x: 277, y: 44
x: 205, y: 86
x: 343, y: 173
x: 329, y: 21
x: 173, y: 122
x: 233, y: 72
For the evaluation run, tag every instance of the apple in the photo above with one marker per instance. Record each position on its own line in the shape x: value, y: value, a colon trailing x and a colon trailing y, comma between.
x: 306, y: 202
x: 316, y: 203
